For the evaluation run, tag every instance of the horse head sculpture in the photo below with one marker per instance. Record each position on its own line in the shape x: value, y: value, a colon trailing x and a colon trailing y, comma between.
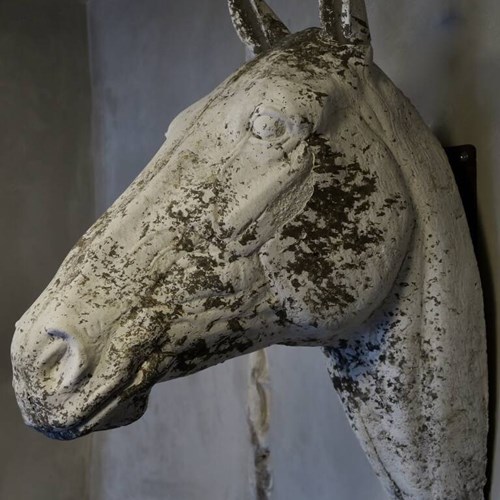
x: 303, y: 202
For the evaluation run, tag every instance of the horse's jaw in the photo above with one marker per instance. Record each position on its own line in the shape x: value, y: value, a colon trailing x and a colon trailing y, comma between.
x: 101, y: 397
x: 75, y: 418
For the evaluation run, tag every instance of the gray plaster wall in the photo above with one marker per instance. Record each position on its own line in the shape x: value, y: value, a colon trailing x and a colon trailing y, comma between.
x: 150, y: 59
x: 45, y: 204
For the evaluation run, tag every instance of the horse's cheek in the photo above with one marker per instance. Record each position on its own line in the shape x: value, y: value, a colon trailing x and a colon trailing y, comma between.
x: 326, y: 281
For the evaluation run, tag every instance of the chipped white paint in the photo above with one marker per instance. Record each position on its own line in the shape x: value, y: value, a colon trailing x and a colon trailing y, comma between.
x: 303, y: 202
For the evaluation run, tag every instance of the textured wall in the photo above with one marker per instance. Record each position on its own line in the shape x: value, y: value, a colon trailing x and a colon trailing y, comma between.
x: 150, y: 59
x: 45, y: 204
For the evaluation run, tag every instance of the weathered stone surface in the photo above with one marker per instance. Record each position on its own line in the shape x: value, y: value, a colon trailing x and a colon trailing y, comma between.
x: 303, y: 202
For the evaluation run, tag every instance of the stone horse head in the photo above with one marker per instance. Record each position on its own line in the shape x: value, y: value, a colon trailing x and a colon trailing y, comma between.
x: 303, y: 202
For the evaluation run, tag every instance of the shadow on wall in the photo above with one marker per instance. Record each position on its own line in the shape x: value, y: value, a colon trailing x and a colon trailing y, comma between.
x: 45, y: 204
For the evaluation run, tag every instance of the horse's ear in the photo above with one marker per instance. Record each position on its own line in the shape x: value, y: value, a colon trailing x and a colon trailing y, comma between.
x: 345, y: 20
x: 258, y: 27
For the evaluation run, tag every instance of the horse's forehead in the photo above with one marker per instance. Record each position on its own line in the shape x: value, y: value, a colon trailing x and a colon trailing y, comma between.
x: 285, y: 69
x: 278, y: 81
x: 282, y: 92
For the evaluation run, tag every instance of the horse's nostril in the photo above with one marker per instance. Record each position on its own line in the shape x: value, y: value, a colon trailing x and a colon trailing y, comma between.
x: 65, y: 362
x: 52, y: 355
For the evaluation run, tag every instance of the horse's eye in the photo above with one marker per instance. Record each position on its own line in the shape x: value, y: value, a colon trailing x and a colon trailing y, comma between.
x: 268, y: 127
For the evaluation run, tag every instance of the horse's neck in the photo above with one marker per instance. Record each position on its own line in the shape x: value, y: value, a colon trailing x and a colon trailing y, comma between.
x: 413, y: 379
x: 441, y: 255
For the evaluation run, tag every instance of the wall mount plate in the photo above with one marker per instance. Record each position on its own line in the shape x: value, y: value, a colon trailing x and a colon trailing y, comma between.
x: 463, y: 161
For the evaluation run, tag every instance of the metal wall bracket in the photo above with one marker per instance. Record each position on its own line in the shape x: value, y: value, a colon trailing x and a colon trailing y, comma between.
x: 463, y: 161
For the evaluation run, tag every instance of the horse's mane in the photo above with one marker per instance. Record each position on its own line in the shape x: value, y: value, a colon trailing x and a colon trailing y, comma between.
x: 418, y: 371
